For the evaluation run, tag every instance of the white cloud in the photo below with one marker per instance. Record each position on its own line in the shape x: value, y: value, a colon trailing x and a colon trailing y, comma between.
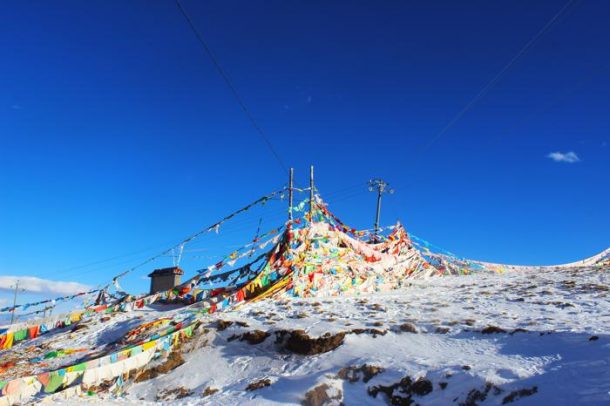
x: 33, y: 284
x: 568, y: 157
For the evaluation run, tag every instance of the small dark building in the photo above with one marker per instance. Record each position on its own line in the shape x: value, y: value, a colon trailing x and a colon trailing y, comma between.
x: 165, y: 279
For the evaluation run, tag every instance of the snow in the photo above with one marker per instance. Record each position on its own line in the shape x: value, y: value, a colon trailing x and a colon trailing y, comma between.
x: 561, y: 310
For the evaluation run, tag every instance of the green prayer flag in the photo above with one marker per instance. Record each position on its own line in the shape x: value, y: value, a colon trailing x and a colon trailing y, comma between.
x: 55, y: 381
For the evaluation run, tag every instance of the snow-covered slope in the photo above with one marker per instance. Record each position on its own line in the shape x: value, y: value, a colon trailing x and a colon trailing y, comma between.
x: 527, y: 337
x: 330, y: 315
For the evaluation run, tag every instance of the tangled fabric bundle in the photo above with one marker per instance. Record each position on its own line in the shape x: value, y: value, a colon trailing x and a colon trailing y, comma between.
x: 327, y: 262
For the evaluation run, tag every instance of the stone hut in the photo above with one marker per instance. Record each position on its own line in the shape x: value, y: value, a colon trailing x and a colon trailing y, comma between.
x: 165, y: 279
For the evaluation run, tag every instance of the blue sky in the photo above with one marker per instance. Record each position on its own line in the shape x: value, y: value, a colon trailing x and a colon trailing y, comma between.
x: 119, y: 137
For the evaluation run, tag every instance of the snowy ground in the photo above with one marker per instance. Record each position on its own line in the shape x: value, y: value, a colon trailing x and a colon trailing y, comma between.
x: 549, y: 343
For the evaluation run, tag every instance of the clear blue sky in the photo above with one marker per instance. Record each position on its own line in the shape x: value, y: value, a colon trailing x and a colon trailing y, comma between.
x: 118, y: 136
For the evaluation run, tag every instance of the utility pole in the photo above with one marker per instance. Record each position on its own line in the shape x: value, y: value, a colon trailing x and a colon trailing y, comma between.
x: 15, y: 300
x: 290, y: 193
x: 382, y: 187
x: 311, y: 194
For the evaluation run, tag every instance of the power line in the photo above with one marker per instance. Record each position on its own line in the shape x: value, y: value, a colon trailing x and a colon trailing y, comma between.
x: 230, y: 85
x: 498, y: 76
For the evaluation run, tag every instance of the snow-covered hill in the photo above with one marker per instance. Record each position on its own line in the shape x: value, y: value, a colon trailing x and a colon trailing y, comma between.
x: 329, y: 315
x: 527, y: 337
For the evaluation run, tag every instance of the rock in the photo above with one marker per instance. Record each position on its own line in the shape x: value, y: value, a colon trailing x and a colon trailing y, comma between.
x: 442, y: 330
x: 322, y: 395
x: 593, y: 338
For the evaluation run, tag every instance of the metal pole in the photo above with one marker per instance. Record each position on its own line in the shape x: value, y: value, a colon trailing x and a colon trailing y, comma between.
x: 378, y: 213
x: 290, y: 192
x: 14, y: 301
x: 311, y: 194
x: 381, y: 186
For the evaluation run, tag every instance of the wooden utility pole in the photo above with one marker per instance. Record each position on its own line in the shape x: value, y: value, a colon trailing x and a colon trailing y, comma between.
x: 290, y: 194
x: 311, y: 194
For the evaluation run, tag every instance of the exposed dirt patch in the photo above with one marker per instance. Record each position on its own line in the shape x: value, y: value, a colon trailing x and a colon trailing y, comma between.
x: 254, y: 337
x: 492, y: 330
x: 408, y: 328
x: 258, y: 384
x: 209, y: 391
x: 103, y: 387
x: 514, y: 395
x: 593, y: 288
x: 79, y: 327
x: 479, y: 395
x: 198, y: 340
x: 222, y: 325
x: 299, y: 342
x: 373, y: 331
x: 322, y: 395
x: 442, y: 330
x: 401, y: 393
x: 175, y: 393
x: 364, y: 372
x: 173, y: 361
x: 422, y: 387
x: 377, y: 307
